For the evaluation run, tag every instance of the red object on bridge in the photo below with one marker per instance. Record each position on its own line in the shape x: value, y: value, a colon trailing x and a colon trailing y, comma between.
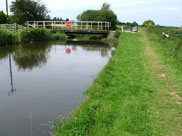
x: 68, y: 24
x: 68, y: 50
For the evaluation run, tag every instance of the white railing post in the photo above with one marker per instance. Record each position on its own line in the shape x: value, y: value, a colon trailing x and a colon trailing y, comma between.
x: 14, y: 27
x: 44, y: 24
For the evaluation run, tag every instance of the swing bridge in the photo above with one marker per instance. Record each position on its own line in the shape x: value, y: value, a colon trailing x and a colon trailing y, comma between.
x: 73, y: 27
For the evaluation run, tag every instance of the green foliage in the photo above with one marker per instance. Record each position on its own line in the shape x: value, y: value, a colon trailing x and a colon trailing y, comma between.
x: 7, y: 37
x: 16, y: 19
x: 104, y: 14
x: 58, y: 36
x: 148, y: 23
x: 3, y: 18
x: 117, y: 34
x: 37, y: 34
x: 24, y: 10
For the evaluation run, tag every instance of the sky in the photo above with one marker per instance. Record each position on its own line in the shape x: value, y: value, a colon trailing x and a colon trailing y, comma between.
x: 162, y: 12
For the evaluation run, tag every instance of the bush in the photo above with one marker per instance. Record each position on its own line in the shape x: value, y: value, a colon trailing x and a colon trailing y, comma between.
x: 7, y: 37
x: 58, y: 36
x: 148, y: 23
x: 36, y: 34
x: 117, y: 34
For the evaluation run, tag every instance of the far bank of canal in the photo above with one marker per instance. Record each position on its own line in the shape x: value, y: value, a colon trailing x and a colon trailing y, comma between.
x: 40, y: 81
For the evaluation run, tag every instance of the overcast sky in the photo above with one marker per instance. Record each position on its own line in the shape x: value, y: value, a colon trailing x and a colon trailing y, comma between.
x: 163, y: 12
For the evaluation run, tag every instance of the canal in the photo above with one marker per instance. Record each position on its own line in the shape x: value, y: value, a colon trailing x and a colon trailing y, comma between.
x: 41, y: 81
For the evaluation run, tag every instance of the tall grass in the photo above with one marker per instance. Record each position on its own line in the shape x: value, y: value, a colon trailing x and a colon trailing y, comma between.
x: 7, y: 37
x: 173, y: 44
x: 35, y: 35
x: 29, y: 35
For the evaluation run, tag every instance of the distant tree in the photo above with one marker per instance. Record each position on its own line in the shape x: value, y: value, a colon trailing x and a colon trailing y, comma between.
x: 119, y: 23
x: 148, y: 23
x: 54, y: 19
x: 59, y: 19
x: 134, y: 24
x: 24, y: 10
x: 3, y: 18
x: 104, y: 14
x: 105, y: 6
x: 78, y: 17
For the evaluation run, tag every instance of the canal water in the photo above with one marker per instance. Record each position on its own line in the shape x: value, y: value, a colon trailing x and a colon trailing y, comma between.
x: 41, y: 81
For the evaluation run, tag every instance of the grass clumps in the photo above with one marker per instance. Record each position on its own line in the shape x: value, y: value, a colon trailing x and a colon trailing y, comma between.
x: 7, y: 37
x: 117, y: 34
x: 58, y: 36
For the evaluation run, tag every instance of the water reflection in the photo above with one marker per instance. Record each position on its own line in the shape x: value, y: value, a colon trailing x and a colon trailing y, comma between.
x: 11, y: 78
x: 31, y: 56
x: 5, y: 51
x: 91, y: 46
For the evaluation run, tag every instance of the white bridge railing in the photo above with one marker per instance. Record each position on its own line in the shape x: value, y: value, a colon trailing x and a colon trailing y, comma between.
x: 70, y: 25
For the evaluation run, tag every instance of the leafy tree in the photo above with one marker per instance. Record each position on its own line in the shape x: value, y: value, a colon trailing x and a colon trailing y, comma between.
x: 105, y: 6
x: 104, y: 14
x: 28, y: 10
x: 134, y: 24
x: 3, y: 18
x: 148, y: 23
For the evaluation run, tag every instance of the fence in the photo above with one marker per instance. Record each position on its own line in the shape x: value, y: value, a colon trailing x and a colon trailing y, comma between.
x: 11, y: 27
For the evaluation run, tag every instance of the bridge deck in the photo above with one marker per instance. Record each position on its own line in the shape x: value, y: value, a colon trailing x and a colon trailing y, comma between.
x: 81, y: 31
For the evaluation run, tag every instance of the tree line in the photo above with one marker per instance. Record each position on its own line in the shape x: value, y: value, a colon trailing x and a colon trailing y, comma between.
x: 31, y: 10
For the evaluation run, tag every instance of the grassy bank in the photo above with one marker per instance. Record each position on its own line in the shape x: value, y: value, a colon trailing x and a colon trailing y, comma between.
x: 136, y: 94
x: 30, y: 35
